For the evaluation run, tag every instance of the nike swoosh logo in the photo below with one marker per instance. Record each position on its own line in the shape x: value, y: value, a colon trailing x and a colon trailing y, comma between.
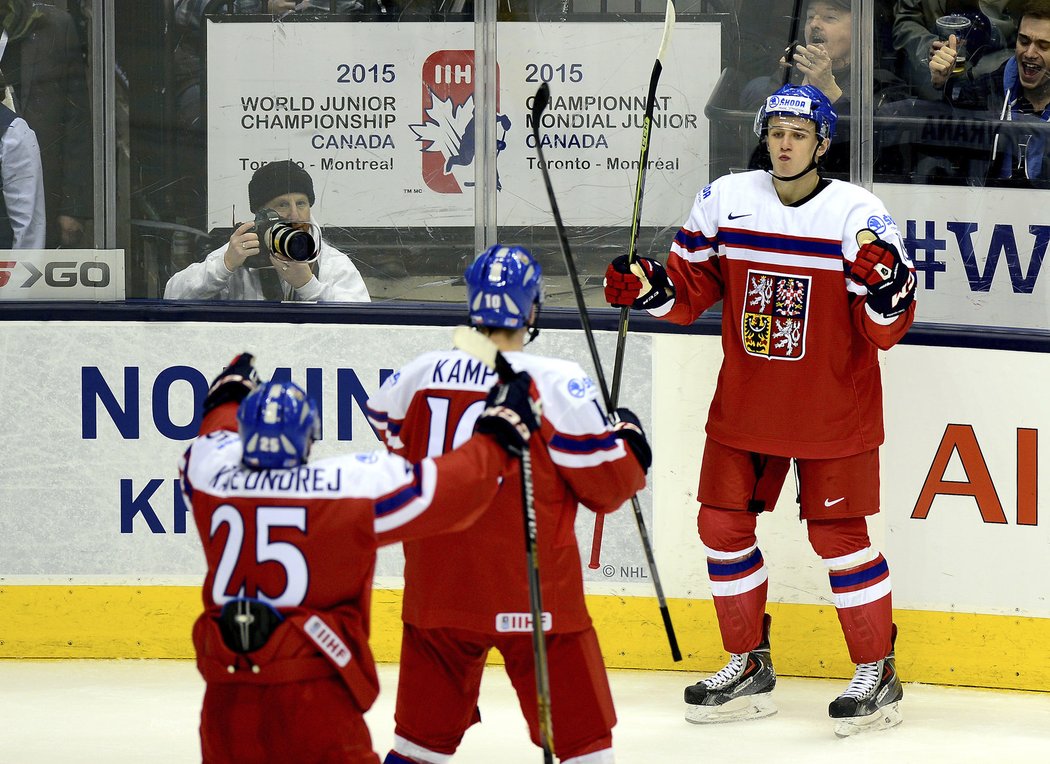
x: 736, y: 217
x: 833, y: 502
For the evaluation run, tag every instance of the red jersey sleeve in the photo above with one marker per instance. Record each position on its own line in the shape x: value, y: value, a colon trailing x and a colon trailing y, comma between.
x: 883, y: 336
x: 453, y: 489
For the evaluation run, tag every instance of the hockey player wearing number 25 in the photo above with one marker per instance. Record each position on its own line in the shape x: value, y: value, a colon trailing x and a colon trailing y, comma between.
x: 815, y: 281
x: 458, y: 604
x: 290, y: 545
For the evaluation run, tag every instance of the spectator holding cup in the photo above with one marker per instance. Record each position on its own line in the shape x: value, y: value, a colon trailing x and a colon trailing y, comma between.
x: 1017, y: 94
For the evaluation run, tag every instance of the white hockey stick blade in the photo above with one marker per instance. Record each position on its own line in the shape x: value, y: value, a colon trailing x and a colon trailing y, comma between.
x: 668, y: 23
x: 476, y: 344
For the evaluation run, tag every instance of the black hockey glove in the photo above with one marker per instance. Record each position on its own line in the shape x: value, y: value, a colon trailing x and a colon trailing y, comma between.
x: 890, y: 284
x: 512, y: 413
x: 642, y: 285
x: 234, y: 383
x: 628, y: 427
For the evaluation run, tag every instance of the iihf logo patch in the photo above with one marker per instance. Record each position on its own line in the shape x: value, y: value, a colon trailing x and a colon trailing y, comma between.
x: 447, y: 130
x: 773, y: 324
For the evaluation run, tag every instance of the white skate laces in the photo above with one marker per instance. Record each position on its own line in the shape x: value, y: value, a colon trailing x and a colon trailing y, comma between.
x: 727, y: 675
x: 865, y: 680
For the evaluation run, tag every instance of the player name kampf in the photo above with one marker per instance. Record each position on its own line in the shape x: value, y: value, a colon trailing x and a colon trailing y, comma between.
x: 618, y: 163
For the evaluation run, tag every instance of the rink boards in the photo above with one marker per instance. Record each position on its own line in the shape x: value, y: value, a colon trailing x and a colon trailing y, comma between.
x: 98, y: 558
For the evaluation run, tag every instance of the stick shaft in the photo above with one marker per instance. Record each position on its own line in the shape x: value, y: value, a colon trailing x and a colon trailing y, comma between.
x: 632, y: 250
x: 542, y: 98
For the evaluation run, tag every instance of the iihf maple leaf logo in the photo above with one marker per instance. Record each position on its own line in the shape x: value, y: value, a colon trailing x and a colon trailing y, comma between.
x: 444, y: 129
x: 448, y: 131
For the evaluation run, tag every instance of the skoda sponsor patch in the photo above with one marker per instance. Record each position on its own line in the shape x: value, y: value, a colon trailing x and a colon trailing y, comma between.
x: 773, y: 324
x: 578, y: 388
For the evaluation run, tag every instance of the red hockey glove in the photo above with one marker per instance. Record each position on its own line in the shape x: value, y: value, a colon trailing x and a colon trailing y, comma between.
x: 891, y: 286
x: 234, y: 383
x: 642, y: 285
x: 512, y: 413
x: 628, y: 427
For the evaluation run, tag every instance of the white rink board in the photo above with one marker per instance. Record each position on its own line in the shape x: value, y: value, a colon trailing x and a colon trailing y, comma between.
x: 979, y: 253
x: 951, y: 561
x: 60, y: 491
x: 590, y: 68
x: 88, y: 493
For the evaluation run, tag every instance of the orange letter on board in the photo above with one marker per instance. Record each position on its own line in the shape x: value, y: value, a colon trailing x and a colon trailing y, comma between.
x: 961, y: 438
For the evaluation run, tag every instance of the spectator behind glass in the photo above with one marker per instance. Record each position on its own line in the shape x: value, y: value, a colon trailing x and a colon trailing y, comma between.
x: 914, y: 35
x: 41, y: 56
x: 1018, y: 92
x: 22, y: 202
x: 242, y: 271
x: 824, y: 61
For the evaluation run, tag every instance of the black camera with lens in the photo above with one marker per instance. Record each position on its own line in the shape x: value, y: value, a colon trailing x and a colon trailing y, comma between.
x: 284, y: 240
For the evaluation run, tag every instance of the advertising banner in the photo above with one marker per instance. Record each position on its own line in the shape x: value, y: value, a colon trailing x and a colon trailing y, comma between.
x: 62, y: 274
x: 978, y: 253
x: 382, y: 117
x: 106, y: 410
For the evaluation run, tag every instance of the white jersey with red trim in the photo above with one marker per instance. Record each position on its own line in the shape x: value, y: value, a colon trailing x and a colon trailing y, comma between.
x: 431, y: 405
x: 800, y: 374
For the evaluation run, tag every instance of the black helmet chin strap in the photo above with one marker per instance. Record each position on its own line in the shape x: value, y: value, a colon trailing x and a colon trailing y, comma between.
x: 534, y: 330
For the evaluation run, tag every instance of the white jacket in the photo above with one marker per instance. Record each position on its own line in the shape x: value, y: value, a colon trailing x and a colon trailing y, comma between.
x: 337, y: 280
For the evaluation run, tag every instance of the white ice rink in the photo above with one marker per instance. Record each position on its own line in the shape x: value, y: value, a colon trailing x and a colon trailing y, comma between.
x: 125, y: 712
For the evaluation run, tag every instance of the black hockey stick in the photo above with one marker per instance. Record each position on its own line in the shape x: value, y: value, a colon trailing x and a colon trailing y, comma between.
x: 639, y: 191
x: 789, y: 51
x: 632, y: 250
x: 539, y: 103
x: 482, y: 348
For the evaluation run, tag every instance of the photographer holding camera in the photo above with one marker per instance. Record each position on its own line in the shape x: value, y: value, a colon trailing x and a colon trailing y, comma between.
x: 278, y: 256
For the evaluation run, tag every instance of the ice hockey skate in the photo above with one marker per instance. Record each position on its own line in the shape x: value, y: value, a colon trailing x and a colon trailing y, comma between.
x: 870, y: 702
x: 741, y: 690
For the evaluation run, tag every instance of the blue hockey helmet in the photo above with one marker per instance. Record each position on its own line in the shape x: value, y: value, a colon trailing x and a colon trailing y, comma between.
x: 503, y: 284
x: 798, y: 102
x: 278, y: 423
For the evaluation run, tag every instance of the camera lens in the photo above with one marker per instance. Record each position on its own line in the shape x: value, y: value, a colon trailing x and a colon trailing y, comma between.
x: 291, y: 243
x: 298, y: 245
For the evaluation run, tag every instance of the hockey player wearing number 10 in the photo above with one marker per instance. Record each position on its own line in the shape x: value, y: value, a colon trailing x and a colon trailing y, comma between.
x: 290, y: 546
x: 814, y: 281
x: 468, y: 592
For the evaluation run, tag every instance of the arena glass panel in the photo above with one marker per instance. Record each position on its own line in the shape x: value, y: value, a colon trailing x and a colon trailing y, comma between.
x: 410, y: 190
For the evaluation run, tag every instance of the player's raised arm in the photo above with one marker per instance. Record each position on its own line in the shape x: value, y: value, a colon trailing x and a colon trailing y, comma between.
x: 449, y: 492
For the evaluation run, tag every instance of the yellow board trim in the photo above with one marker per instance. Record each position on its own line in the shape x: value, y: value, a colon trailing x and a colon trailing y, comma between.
x: 933, y: 647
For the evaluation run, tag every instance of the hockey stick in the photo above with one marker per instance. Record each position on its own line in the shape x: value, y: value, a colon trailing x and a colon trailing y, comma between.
x: 632, y: 250
x: 481, y: 347
x: 789, y: 52
x: 539, y: 103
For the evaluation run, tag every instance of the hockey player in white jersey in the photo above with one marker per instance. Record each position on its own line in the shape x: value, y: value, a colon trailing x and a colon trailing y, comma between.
x: 814, y: 280
x: 459, y: 605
